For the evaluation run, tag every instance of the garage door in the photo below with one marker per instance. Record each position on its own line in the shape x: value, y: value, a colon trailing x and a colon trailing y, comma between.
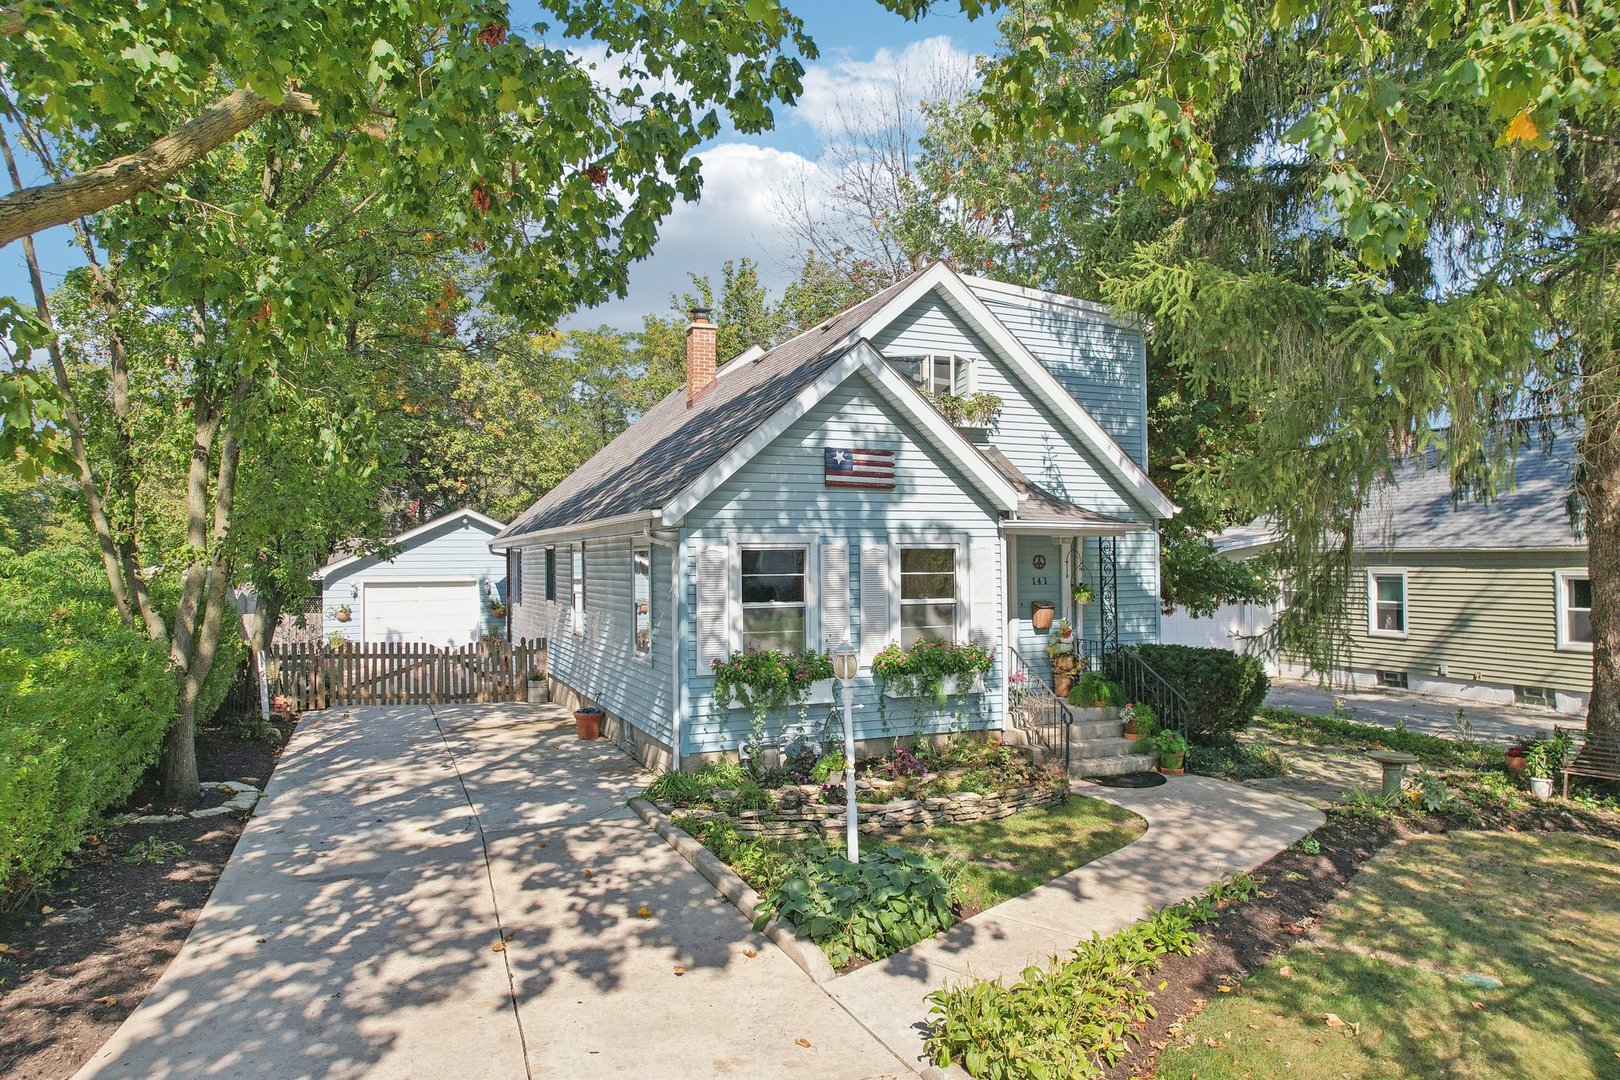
x: 437, y: 612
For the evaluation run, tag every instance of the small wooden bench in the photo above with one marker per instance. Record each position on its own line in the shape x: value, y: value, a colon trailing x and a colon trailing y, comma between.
x: 1599, y: 759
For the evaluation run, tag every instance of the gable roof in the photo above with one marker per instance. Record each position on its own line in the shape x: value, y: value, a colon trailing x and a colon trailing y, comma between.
x: 676, y: 453
x: 412, y: 533
x: 671, y: 445
x: 1074, y: 416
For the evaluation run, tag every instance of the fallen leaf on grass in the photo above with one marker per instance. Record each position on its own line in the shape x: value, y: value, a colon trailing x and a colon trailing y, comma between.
x: 1477, y: 1004
x: 1223, y: 989
x: 108, y: 1000
x: 803, y: 1042
x: 1286, y: 970
x: 1332, y: 1020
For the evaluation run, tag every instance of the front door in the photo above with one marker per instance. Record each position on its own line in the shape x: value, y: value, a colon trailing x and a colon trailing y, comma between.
x: 1039, y: 582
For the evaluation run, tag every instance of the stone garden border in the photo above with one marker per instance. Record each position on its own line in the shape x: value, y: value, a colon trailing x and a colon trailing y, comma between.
x: 783, y: 934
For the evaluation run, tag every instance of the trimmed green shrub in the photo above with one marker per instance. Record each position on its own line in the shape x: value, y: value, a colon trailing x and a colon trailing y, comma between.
x: 1225, y: 689
x: 891, y: 900
x: 1094, y: 689
x: 84, y: 703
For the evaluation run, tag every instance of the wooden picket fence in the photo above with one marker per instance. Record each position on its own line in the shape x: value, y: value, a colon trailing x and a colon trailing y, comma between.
x: 319, y: 676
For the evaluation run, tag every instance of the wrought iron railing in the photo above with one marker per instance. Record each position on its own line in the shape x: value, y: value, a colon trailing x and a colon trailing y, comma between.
x: 1141, y: 682
x: 1035, y: 709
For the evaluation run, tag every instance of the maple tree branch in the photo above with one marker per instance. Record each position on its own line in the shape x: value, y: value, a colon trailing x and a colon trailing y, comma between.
x: 25, y: 212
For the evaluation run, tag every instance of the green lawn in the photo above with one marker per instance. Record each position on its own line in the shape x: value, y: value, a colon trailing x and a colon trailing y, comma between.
x: 1002, y: 859
x: 1539, y: 912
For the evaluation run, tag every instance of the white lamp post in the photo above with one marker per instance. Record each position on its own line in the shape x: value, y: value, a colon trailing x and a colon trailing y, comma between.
x: 846, y: 662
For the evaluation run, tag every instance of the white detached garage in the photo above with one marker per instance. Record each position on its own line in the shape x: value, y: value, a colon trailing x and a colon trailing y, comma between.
x: 444, y: 587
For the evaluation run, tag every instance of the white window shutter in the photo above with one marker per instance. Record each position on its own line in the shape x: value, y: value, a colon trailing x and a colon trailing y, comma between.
x: 834, y: 595
x: 985, y: 576
x: 712, y: 628
x: 874, y: 600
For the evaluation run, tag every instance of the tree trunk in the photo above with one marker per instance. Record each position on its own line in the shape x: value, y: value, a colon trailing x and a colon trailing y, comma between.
x: 1600, y: 489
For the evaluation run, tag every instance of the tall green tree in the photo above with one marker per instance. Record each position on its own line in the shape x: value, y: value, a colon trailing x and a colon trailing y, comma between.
x: 1443, y: 181
x: 261, y: 189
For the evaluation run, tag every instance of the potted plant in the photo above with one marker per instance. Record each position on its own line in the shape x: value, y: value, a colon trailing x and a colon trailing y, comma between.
x: 343, y: 614
x: 497, y: 608
x: 1517, y: 758
x: 1094, y: 690
x: 1539, y: 765
x: 1141, y: 722
x: 588, y: 722
x: 1065, y: 630
x: 1172, y: 750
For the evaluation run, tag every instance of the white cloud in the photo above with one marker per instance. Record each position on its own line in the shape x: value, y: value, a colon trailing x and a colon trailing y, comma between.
x: 736, y: 217
x: 848, y: 94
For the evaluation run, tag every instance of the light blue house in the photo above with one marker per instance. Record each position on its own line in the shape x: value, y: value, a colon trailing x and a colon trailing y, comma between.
x: 439, y: 584
x: 815, y: 493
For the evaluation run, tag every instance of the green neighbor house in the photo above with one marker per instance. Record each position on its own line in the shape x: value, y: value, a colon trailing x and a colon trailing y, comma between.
x: 1483, y: 601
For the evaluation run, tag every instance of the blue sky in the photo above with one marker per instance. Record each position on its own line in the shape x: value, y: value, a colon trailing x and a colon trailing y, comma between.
x: 860, y: 43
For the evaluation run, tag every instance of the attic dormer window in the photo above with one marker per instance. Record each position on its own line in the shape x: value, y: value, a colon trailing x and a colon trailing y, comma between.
x: 937, y: 373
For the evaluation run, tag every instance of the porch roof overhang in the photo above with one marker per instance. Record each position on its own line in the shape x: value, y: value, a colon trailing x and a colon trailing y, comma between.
x: 1043, y: 513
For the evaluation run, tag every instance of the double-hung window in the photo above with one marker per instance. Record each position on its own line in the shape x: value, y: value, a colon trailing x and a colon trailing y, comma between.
x: 1574, y: 610
x: 578, y: 590
x: 928, y: 595
x: 773, y: 591
x: 937, y: 373
x: 641, y: 598
x: 1386, y: 603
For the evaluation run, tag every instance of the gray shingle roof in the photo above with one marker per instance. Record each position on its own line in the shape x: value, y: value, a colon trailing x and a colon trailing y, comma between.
x: 671, y: 445
x: 1418, y: 512
x: 1036, y: 504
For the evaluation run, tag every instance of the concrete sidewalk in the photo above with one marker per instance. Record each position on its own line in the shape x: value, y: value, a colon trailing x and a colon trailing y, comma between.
x: 354, y: 932
x: 1199, y: 829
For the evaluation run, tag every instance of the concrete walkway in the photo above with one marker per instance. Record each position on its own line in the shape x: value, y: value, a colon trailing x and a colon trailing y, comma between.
x: 454, y: 892
x: 1198, y: 830
x: 1498, y: 724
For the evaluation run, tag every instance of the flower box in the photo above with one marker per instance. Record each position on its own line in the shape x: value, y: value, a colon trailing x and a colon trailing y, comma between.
x: 950, y: 684
x: 821, y: 693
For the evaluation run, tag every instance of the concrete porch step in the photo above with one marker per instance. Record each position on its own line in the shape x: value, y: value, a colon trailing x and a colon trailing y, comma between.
x: 1096, y: 729
x: 1088, y: 714
x: 1096, y: 748
x: 1117, y: 765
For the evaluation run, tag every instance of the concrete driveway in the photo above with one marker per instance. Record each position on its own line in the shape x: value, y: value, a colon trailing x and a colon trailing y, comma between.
x: 1499, y: 724
x: 454, y: 892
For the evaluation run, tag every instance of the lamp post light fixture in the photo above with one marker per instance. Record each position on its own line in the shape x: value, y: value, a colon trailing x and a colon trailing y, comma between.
x: 846, y: 662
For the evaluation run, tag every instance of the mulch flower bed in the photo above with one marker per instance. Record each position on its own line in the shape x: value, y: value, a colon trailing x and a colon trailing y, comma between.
x: 78, y: 955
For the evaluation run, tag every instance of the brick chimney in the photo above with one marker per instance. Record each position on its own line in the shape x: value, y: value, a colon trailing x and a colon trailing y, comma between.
x: 700, y: 354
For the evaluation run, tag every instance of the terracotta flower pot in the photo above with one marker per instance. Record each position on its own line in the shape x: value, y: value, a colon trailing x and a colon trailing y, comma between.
x: 1517, y: 760
x: 343, y: 616
x: 1170, y: 764
x: 1131, y: 735
x: 1041, y: 614
x: 588, y: 723
x: 1061, y: 684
